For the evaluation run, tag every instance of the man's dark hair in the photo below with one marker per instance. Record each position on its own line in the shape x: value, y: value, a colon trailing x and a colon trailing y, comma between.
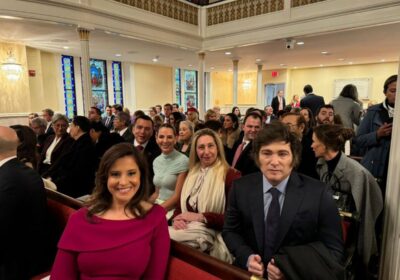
x: 388, y: 81
x: 213, y: 125
x: 175, y: 104
x: 307, y: 89
x: 117, y: 107
x: 278, y: 132
x: 124, y: 117
x: 327, y: 106
x: 98, y: 126
x: 144, y: 117
x: 82, y: 122
x: 168, y: 105
x: 49, y: 111
x: 254, y: 114
x: 98, y: 111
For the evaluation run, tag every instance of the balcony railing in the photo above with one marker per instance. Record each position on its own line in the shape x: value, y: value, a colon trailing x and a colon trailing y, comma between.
x: 297, y: 3
x: 169, y: 8
x: 242, y: 9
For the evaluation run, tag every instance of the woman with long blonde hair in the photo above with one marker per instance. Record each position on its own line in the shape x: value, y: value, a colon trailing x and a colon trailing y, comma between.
x: 199, y: 217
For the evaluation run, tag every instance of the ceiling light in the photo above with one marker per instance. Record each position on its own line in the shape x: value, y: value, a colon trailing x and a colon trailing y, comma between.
x: 190, y: 65
x: 350, y: 62
x: 258, y: 59
x: 12, y: 69
x: 65, y: 47
x: 282, y: 64
x: 383, y: 60
x: 118, y: 54
x: 324, y: 52
x: 228, y: 53
x: 321, y: 65
x: 300, y: 43
x: 212, y: 68
x: 10, y: 17
x: 156, y: 58
x: 295, y: 67
x: 230, y: 70
x: 341, y: 59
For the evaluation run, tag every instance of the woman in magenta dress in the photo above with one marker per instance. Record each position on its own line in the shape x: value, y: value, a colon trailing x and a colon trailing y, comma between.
x: 119, y: 235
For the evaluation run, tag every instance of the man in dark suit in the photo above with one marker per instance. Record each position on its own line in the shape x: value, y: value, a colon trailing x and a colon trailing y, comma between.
x: 278, y: 102
x: 278, y: 207
x: 108, y: 120
x: 145, y: 142
x: 48, y: 114
x: 241, y: 156
x: 311, y: 100
x: 23, y: 233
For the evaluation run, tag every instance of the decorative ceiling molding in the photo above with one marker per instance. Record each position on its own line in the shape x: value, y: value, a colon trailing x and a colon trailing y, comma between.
x: 169, y: 8
x: 298, y: 3
x: 242, y: 9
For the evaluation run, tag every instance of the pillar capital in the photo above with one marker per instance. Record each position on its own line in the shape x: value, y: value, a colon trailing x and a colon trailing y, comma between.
x: 83, y: 33
x: 259, y: 66
x: 201, y: 55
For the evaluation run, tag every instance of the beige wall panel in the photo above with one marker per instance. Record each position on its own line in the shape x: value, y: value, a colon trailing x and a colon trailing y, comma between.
x: 153, y: 85
x: 222, y: 88
x: 51, y: 81
x: 322, y: 79
x: 14, y: 95
x: 247, y: 88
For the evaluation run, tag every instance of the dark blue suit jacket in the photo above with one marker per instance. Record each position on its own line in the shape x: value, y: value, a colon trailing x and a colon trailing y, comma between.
x: 309, y: 214
x: 23, y: 222
x: 312, y: 101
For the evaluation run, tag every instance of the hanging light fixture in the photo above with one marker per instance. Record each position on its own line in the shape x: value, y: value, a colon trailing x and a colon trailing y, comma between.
x: 11, y: 68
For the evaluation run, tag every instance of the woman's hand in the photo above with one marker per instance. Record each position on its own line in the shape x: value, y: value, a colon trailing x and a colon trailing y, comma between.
x: 181, y: 221
x: 190, y: 217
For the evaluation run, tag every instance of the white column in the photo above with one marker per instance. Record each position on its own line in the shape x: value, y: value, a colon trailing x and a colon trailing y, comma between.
x: 235, y: 81
x: 260, y: 90
x: 201, y: 96
x: 85, y: 57
x: 390, y: 266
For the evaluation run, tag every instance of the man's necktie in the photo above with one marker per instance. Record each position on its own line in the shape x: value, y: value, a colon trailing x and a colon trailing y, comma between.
x: 139, y: 148
x: 271, y: 224
x: 237, y: 153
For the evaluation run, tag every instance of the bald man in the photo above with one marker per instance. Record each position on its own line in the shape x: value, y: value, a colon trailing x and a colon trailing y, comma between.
x: 23, y: 230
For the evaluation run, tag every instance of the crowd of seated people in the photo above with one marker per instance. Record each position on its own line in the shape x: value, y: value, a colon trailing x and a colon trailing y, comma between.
x: 191, y: 166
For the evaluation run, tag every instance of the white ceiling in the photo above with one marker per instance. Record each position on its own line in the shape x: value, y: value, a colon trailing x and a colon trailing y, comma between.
x: 359, y: 46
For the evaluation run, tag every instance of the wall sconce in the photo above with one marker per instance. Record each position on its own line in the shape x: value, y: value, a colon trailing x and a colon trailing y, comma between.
x: 11, y: 68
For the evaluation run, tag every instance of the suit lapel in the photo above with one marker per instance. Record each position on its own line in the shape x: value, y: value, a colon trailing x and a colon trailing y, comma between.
x: 257, y: 209
x: 293, y: 199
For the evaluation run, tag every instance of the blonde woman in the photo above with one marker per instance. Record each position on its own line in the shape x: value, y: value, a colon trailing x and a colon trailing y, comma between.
x: 199, y: 217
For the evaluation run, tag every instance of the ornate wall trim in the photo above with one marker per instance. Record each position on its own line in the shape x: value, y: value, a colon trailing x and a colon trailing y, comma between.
x: 169, y: 8
x: 298, y: 3
x: 242, y: 9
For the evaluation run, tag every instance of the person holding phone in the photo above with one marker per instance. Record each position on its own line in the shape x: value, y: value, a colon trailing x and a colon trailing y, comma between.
x: 375, y: 133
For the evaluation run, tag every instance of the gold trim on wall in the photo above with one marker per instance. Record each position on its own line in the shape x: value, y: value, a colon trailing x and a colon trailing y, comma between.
x: 242, y: 9
x: 169, y: 8
x: 298, y: 3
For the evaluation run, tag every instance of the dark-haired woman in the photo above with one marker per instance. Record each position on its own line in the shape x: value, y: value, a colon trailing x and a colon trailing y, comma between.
x: 347, y: 106
x: 353, y: 187
x: 26, y: 151
x: 119, y: 235
x: 231, y: 130
x: 170, y: 170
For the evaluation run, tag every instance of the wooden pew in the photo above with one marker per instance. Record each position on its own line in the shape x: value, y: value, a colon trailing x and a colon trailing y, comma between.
x: 184, y: 262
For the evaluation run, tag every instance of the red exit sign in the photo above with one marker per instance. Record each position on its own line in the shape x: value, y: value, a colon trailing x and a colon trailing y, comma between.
x: 274, y: 74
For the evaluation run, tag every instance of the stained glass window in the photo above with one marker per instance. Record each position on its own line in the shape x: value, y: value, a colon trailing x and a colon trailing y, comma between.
x: 98, y: 76
x: 190, y: 86
x: 178, y: 86
x: 67, y: 63
x: 117, y: 82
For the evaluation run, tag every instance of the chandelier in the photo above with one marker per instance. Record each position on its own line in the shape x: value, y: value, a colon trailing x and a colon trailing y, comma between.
x: 11, y: 68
